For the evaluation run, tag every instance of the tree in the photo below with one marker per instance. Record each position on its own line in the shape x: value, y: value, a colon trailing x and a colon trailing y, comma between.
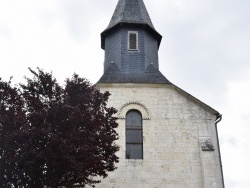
x: 12, y: 119
x: 55, y: 136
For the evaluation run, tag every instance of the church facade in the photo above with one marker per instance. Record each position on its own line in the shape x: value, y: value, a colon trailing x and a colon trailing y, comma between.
x: 167, y: 138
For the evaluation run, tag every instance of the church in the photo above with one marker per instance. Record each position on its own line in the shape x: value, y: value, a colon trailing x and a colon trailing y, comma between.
x: 167, y: 137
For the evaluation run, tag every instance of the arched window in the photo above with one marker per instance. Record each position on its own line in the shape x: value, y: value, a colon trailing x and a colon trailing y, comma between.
x: 134, y: 144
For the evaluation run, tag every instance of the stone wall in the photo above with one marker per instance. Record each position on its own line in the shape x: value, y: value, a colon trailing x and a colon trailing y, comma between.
x: 179, y: 139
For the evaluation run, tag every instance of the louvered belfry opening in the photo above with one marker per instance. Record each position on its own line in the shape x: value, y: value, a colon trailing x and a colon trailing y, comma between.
x: 133, y: 41
x: 134, y: 141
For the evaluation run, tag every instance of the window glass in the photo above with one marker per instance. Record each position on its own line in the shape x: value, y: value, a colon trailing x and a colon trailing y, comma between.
x: 134, y: 136
x: 134, y: 151
x: 134, y: 139
x: 133, y: 119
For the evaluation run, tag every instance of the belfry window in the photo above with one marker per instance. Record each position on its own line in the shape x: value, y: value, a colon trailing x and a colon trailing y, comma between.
x: 134, y: 142
x: 132, y: 40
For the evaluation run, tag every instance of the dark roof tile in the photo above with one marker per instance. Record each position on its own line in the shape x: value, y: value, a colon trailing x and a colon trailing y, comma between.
x: 134, y: 77
x: 130, y: 11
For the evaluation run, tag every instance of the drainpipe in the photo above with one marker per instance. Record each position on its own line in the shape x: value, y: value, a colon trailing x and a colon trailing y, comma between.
x: 218, y: 119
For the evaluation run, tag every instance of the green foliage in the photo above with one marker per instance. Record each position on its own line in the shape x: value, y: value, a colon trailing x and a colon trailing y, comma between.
x: 55, y: 136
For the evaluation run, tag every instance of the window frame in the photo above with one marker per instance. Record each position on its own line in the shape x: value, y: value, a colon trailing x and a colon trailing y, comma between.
x: 135, y: 144
x: 136, y: 40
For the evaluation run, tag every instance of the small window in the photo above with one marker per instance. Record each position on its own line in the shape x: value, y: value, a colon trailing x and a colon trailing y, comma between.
x: 132, y: 40
x: 134, y: 139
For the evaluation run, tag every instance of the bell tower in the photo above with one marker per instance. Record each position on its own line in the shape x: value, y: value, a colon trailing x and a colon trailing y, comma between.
x: 131, y: 46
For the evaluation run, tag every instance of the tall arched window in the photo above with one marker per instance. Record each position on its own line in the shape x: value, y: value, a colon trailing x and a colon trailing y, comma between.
x: 134, y: 144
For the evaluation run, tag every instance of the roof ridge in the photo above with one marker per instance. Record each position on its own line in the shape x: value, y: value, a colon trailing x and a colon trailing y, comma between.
x: 142, y: 5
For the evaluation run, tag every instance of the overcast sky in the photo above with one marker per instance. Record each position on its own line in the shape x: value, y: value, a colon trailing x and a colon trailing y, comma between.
x: 205, y: 51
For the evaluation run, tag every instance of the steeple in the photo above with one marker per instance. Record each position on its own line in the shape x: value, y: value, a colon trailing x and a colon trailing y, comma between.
x: 130, y: 12
x: 131, y: 46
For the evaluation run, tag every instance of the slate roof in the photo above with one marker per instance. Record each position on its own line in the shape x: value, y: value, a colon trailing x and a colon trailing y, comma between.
x: 130, y: 12
x: 124, y: 77
x: 151, y: 75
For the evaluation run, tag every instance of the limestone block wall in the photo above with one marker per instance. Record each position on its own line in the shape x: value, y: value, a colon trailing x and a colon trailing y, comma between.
x: 179, y: 140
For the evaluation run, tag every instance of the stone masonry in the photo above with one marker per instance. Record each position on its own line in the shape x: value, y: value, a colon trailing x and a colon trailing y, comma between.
x: 176, y: 129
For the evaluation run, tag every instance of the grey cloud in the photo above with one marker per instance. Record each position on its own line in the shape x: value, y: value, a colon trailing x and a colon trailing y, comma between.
x: 5, y: 31
x: 207, y: 50
x: 81, y: 17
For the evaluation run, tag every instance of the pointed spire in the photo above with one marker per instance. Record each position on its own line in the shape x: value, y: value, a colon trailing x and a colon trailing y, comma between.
x: 130, y: 12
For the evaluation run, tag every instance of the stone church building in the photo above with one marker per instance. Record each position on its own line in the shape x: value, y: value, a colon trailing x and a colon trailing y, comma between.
x: 168, y: 138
